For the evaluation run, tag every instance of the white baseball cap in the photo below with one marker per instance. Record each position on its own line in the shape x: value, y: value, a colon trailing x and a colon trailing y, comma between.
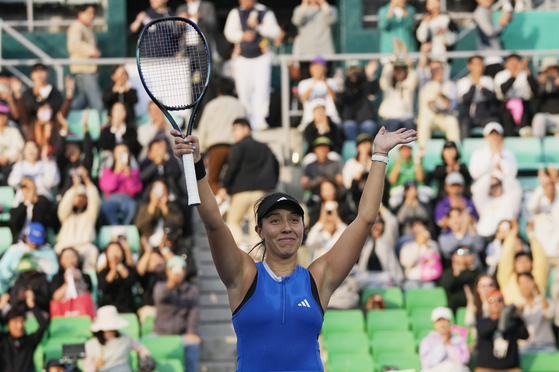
x: 493, y: 126
x: 441, y: 313
x: 454, y: 178
x: 548, y: 62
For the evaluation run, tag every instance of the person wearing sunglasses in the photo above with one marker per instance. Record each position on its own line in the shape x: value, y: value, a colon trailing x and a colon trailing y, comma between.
x: 498, y: 335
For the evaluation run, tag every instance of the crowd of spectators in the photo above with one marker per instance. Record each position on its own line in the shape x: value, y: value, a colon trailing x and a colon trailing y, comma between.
x: 456, y: 226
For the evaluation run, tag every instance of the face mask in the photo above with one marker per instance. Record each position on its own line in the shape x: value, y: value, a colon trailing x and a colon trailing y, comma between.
x: 44, y: 115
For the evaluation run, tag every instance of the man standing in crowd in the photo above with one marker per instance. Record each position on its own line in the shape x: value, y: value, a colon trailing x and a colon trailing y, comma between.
x: 42, y: 92
x: 83, y: 45
x: 252, y: 170
x: 251, y: 25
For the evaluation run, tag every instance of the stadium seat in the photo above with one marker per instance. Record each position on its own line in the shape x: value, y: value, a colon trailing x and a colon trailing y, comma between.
x: 5, y: 238
x: 75, y: 125
x: 52, y: 349
x: 147, y: 325
x: 392, y: 341
x: 39, y: 358
x: 132, y: 236
x: 7, y: 196
x: 393, y: 297
x: 433, y: 157
x: 398, y: 360
x: 476, y: 132
x: 469, y: 145
x: 528, y: 152
x: 343, y: 321
x: 460, y: 316
x: 169, y: 365
x: 142, y: 119
x: 347, y: 343
x: 387, y: 320
x: 540, y: 362
x: 133, y: 329
x: 94, y: 283
x: 425, y: 298
x: 350, y: 363
x: 165, y: 347
x: 349, y: 150
x: 551, y: 150
x: 421, y: 320
x: 70, y: 327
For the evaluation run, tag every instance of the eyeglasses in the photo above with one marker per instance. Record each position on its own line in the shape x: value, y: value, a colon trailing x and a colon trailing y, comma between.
x: 495, y: 299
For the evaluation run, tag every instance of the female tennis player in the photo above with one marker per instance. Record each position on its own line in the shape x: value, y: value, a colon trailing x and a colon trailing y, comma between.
x: 278, y: 306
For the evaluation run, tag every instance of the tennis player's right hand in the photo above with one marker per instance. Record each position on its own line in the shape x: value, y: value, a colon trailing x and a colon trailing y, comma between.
x: 189, y: 145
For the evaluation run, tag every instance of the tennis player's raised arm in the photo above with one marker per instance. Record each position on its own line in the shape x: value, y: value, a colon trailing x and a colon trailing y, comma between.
x: 331, y: 269
x: 234, y: 266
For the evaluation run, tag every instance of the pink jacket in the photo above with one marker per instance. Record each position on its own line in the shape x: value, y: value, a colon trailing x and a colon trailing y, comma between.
x: 112, y: 183
x: 432, y: 350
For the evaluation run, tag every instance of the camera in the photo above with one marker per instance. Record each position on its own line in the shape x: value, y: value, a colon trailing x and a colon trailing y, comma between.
x: 70, y: 355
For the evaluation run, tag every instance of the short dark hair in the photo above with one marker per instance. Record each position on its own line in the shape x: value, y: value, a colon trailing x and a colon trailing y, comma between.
x: 242, y: 121
x: 524, y: 253
x: 225, y: 86
x: 100, y: 336
x: 513, y: 55
x: 5, y: 73
x: 15, y: 312
x: 83, y: 8
x: 453, y: 209
x: 529, y: 275
x: 39, y: 66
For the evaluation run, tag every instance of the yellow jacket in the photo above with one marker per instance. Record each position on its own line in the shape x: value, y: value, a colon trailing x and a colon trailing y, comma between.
x: 506, y: 276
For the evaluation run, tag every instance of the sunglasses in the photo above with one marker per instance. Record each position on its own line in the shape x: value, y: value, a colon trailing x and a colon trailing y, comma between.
x: 495, y: 299
x: 495, y: 185
x: 463, y: 252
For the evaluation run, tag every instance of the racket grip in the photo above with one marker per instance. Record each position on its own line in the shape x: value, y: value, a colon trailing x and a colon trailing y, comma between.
x: 191, y: 182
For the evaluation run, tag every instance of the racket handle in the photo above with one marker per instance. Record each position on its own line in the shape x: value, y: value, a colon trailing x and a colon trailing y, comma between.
x: 191, y: 182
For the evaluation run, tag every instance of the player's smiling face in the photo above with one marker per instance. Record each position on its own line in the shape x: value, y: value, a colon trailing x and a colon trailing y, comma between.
x: 282, y: 232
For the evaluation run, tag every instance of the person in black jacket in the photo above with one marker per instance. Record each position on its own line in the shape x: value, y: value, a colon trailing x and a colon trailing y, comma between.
x: 121, y: 92
x: 118, y: 132
x: 117, y: 279
x: 322, y: 126
x: 498, y: 335
x: 451, y: 163
x: 461, y: 273
x: 357, y: 112
x: 252, y: 170
x: 17, y: 348
x: 547, y: 117
x: 42, y: 92
x: 39, y: 207
x: 30, y: 279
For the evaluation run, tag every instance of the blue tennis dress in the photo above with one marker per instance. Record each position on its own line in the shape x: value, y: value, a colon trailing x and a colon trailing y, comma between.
x: 278, y: 326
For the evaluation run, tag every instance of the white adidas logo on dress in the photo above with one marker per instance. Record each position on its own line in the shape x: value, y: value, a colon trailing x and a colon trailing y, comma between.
x: 282, y: 198
x: 304, y: 303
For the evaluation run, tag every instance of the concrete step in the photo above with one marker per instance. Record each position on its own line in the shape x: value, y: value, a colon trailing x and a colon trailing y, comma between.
x: 214, y: 300
x: 204, y: 257
x: 207, y: 271
x: 211, y: 285
x: 219, y: 348
x: 218, y: 366
x: 216, y: 330
x: 209, y: 315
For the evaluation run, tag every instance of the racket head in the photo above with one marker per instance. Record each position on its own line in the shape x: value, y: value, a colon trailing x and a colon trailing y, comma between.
x: 173, y: 62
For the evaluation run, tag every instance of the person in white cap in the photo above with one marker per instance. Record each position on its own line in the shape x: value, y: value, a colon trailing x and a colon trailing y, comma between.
x: 547, y: 118
x: 109, y: 349
x: 441, y: 350
x: 492, y: 155
x: 497, y: 197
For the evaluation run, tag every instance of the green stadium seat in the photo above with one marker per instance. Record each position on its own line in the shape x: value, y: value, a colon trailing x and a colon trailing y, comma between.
x: 75, y: 125
x: 350, y: 363
x: 343, y: 321
x: 94, y: 282
x: 39, y: 358
x: 347, y: 343
x: 133, y: 329
x: 393, y: 297
x: 398, y: 360
x: 476, y: 132
x: 421, y: 334
x: 349, y: 150
x: 469, y: 145
x: 528, y: 183
x: 433, y: 151
x: 528, y: 152
x: 460, y: 316
x: 7, y: 195
x: 70, y: 327
x: 425, y: 298
x: 551, y: 150
x: 52, y: 349
x: 421, y: 320
x: 5, y: 238
x: 169, y: 365
x: 142, y: 119
x: 165, y: 347
x: 392, y: 342
x: 387, y: 320
x: 540, y: 362
x: 147, y: 325
x: 132, y: 236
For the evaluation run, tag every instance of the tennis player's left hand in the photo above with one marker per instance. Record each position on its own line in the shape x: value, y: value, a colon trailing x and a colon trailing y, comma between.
x: 189, y: 145
x: 386, y: 141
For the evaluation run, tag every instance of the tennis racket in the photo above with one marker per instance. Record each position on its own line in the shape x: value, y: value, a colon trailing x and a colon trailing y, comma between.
x: 173, y: 60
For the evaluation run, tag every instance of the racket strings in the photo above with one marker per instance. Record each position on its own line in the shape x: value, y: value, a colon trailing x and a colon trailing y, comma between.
x: 174, y: 63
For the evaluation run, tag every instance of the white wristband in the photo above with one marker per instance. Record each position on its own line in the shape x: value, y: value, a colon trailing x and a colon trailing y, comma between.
x: 119, y: 266
x: 383, y: 159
